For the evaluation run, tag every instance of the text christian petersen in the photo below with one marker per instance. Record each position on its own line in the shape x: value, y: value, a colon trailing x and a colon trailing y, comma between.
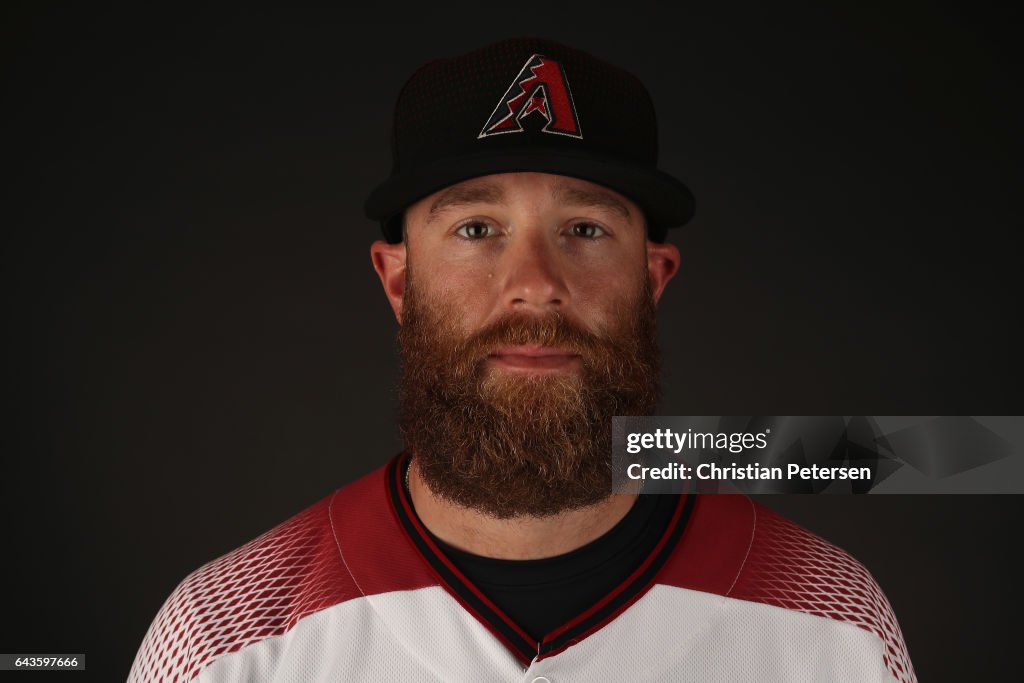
x: 711, y: 442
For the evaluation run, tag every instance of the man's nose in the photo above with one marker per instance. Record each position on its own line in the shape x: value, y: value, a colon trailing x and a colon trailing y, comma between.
x: 532, y: 274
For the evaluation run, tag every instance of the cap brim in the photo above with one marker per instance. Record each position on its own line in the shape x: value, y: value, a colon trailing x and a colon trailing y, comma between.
x: 666, y: 202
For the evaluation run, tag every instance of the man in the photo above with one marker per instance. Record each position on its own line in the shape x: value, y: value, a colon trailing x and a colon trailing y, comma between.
x: 525, y: 221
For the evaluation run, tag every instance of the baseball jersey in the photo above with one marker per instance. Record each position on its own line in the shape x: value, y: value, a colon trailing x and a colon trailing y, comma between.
x: 354, y: 588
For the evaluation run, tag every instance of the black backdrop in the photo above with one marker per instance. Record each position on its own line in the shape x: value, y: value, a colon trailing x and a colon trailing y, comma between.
x: 197, y: 347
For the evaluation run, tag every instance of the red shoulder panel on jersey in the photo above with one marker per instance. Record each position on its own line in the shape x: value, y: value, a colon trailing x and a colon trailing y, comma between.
x: 265, y: 587
x: 740, y: 549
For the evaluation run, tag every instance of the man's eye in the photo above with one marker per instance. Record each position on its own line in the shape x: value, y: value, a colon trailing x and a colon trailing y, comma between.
x: 588, y: 230
x: 474, y: 230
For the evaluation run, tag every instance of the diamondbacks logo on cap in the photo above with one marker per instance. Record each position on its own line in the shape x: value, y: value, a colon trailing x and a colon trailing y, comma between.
x: 540, y: 88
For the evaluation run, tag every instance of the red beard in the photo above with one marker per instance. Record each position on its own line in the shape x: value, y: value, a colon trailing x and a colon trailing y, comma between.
x: 510, y: 444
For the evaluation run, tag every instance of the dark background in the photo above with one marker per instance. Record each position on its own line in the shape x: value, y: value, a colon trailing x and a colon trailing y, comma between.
x: 197, y: 346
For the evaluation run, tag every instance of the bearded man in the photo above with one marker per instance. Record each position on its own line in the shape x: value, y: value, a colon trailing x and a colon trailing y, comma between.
x: 525, y: 253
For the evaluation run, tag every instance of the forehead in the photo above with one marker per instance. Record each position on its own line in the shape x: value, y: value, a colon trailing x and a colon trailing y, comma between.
x: 507, y: 188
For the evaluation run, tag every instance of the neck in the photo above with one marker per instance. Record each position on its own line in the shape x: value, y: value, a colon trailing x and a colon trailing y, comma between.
x: 516, y: 538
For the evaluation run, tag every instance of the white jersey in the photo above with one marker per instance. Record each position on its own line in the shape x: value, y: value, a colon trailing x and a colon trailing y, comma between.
x: 354, y: 589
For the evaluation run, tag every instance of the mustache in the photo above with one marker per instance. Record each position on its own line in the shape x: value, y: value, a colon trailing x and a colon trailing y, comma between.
x: 522, y: 329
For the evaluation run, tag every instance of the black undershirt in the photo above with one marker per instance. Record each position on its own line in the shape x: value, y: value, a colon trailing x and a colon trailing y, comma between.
x: 541, y: 595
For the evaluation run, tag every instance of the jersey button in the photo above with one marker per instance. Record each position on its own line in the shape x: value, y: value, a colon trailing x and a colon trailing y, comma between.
x: 542, y: 679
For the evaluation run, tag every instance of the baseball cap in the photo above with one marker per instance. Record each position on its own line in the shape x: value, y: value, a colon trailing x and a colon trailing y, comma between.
x: 526, y: 104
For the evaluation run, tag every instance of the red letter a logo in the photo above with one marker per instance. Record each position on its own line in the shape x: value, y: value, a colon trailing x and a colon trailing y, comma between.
x: 540, y: 87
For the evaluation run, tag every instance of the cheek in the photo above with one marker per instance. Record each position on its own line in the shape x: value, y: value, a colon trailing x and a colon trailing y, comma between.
x: 605, y: 299
x: 468, y: 295
x: 606, y: 269
x: 605, y: 272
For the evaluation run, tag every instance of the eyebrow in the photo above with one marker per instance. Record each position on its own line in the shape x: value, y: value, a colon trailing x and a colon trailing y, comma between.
x: 584, y: 196
x: 487, y: 193
x: 463, y: 195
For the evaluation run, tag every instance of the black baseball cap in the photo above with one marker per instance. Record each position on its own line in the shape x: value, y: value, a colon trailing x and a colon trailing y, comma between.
x: 526, y: 104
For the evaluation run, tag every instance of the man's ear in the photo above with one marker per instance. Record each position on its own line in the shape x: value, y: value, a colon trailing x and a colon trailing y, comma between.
x: 662, y: 264
x: 389, y: 261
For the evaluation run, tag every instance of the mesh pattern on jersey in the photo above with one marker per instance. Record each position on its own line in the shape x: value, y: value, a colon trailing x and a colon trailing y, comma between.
x: 787, y: 566
x: 255, y: 592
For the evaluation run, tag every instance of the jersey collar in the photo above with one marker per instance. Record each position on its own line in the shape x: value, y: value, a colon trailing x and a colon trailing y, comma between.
x: 525, y: 648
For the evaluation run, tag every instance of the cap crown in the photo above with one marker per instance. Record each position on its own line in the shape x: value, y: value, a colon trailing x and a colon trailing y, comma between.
x: 449, y: 106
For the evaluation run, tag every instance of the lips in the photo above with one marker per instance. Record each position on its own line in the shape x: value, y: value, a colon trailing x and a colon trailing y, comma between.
x: 534, y: 358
